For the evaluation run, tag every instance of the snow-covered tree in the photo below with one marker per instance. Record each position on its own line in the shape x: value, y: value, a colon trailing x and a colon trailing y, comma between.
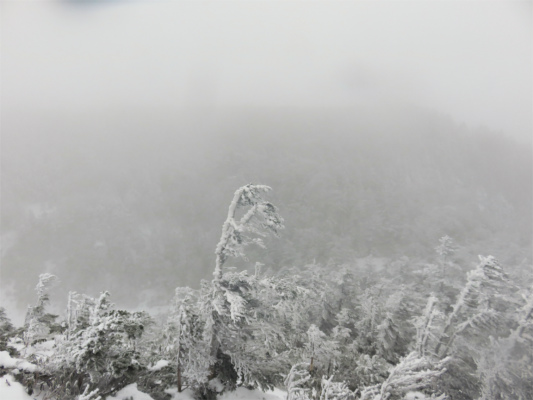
x: 413, y: 372
x: 260, y: 218
x: 183, y: 343
x: 320, y: 350
x: 234, y: 306
x: 331, y: 390
x: 101, y: 354
x: 446, y: 247
x: 6, y: 329
x: 478, y: 304
x: 38, y: 323
x: 483, y: 309
x: 382, y: 322
x: 297, y: 382
x: 369, y: 371
x: 427, y: 325
x: 506, y: 365
x: 443, y: 271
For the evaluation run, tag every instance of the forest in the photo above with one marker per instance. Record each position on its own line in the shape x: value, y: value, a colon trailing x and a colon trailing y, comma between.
x: 266, y: 200
x: 394, y: 264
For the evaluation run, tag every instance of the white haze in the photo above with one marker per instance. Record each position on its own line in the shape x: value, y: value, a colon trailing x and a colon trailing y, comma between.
x: 471, y: 60
x: 84, y: 84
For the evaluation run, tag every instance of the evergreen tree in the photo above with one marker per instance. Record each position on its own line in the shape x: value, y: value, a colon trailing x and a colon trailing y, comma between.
x: 6, y: 329
x: 427, y: 327
x: 506, y: 365
x: 413, y: 372
x: 478, y: 307
x: 101, y: 355
x: 229, y: 305
x: 482, y: 311
x: 184, y: 344
x: 38, y: 323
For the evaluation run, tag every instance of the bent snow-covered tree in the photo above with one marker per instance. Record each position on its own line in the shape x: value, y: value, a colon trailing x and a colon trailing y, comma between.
x: 38, y: 323
x: 229, y: 306
x: 478, y: 307
x: 260, y: 218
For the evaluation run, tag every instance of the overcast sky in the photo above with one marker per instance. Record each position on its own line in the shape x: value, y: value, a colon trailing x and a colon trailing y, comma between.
x: 472, y: 60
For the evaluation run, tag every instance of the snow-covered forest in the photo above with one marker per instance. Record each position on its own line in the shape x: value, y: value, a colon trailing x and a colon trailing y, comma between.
x: 266, y: 201
x: 370, y: 329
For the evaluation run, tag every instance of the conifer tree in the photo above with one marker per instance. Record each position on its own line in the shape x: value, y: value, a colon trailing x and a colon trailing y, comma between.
x: 486, y: 286
x: 6, y: 329
x: 229, y: 305
x: 427, y: 326
x: 480, y: 312
x: 184, y: 339
x: 413, y: 372
x: 297, y: 382
x: 38, y: 322
x: 99, y: 352
x: 506, y: 365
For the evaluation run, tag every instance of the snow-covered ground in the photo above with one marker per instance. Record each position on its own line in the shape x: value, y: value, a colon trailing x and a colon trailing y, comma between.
x: 6, y: 361
x: 131, y: 391
x: 12, y: 390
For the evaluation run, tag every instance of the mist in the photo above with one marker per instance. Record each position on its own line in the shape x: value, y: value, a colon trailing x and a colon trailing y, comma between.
x: 382, y: 127
x: 471, y: 61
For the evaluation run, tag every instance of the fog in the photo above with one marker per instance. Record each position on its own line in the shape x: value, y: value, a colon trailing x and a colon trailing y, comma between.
x: 136, y: 140
x: 106, y: 105
x: 470, y: 60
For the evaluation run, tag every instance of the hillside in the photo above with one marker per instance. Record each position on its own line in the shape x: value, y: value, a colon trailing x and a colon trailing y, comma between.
x: 133, y: 202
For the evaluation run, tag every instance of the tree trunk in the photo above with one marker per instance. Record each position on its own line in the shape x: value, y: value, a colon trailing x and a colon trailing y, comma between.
x: 179, y: 376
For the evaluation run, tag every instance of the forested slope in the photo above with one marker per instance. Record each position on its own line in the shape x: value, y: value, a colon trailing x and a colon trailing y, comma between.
x: 132, y: 201
x: 369, y: 329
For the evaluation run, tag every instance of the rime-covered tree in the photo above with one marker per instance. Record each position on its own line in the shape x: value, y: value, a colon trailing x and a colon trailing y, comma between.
x: 446, y: 247
x: 6, y: 329
x: 478, y: 307
x: 101, y: 354
x: 234, y: 313
x: 321, y: 351
x: 382, y: 322
x: 482, y: 310
x: 427, y: 327
x: 38, y: 323
x: 260, y: 218
x: 413, y: 372
x: 297, y: 382
x: 332, y: 390
x: 443, y: 283
x: 506, y: 365
x: 183, y: 339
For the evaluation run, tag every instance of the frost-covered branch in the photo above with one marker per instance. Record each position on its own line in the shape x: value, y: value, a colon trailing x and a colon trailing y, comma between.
x: 296, y: 382
x: 482, y: 283
x: 412, y: 373
x: 262, y: 217
x: 86, y: 395
x: 426, y: 325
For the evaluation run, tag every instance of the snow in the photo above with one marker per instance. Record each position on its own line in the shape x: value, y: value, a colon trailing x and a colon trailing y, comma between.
x: 12, y: 390
x: 216, y: 385
x: 130, y: 392
x: 16, y: 343
x: 246, y: 394
x: 158, y: 365
x: 415, y: 396
x: 185, y: 395
x: 7, y: 361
